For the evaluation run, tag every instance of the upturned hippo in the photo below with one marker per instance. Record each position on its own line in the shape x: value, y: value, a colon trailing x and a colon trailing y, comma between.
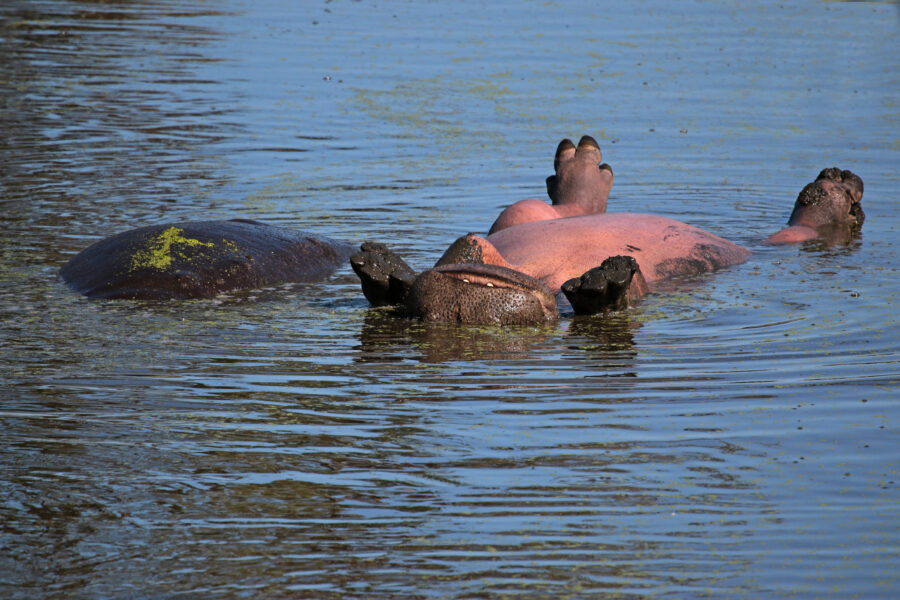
x: 200, y: 259
x: 487, y: 279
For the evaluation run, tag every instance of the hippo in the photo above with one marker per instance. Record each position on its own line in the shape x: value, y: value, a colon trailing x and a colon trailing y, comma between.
x: 600, y: 261
x: 200, y: 259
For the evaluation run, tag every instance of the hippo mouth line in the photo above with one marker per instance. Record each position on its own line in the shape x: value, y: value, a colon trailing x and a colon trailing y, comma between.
x: 491, y: 281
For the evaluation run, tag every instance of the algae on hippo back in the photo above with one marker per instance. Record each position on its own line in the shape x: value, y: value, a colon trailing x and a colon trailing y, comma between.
x: 159, y: 248
x: 200, y: 259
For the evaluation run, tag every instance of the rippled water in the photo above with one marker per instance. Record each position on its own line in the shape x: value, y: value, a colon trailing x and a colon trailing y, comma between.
x: 732, y: 437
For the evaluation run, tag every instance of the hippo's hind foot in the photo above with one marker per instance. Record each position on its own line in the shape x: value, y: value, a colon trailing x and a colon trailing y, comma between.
x: 853, y: 185
x: 386, y: 278
x: 611, y: 286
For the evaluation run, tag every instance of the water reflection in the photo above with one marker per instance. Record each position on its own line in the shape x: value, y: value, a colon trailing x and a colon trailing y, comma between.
x: 609, y: 332
x: 384, y: 332
x: 839, y: 240
x: 103, y: 106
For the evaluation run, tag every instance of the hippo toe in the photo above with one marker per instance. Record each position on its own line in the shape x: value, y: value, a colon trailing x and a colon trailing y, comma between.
x: 385, y: 277
x: 605, y: 288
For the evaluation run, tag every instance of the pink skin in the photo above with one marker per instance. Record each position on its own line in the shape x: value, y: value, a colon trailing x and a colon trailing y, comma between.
x: 793, y: 235
x: 557, y: 242
x: 580, y: 187
x: 559, y: 249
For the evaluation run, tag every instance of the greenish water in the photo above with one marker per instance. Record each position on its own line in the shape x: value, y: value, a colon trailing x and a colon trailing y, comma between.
x: 734, y: 437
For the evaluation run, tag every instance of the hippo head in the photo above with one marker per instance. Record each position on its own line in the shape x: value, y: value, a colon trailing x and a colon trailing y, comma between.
x: 581, y: 177
x: 833, y: 199
x: 480, y: 294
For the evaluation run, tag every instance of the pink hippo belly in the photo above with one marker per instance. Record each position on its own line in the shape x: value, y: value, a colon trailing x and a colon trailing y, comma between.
x: 559, y: 249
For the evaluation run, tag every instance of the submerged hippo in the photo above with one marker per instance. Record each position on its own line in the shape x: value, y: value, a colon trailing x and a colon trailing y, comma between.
x: 200, y: 259
x: 512, y: 276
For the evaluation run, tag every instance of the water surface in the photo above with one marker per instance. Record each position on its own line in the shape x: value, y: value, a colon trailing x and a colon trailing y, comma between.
x: 731, y: 438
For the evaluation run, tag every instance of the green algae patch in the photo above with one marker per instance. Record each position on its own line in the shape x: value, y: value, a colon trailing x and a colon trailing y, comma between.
x: 162, y: 247
x: 231, y: 246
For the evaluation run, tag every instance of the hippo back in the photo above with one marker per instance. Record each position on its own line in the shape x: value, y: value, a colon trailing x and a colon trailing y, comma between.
x: 200, y: 259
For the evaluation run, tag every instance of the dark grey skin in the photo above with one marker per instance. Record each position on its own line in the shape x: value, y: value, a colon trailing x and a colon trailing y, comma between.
x: 200, y: 259
x: 828, y: 209
x: 609, y: 287
x: 480, y: 294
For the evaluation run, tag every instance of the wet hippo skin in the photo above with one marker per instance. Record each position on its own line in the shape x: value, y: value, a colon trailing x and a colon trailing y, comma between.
x: 557, y: 250
x: 200, y: 259
x: 829, y: 209
x: 480, y: 294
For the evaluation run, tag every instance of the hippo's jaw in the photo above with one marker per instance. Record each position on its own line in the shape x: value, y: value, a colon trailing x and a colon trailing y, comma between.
x: 582, y: 181
x: 832, y: 200
x: 480, y: 295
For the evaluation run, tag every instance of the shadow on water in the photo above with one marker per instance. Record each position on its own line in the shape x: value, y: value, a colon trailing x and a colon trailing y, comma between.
x: 605, y: 334
x: 841, y: 243
x: 383, y: 332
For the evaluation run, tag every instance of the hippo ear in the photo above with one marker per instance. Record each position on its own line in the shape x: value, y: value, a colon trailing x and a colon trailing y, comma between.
x: 551, y: 188
x: 564, y: 151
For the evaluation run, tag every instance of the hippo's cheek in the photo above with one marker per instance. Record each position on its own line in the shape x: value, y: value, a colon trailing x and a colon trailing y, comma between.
x: 479, y: 299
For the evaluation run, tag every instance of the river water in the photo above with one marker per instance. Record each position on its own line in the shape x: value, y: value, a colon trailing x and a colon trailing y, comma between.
x: 732, y: 437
